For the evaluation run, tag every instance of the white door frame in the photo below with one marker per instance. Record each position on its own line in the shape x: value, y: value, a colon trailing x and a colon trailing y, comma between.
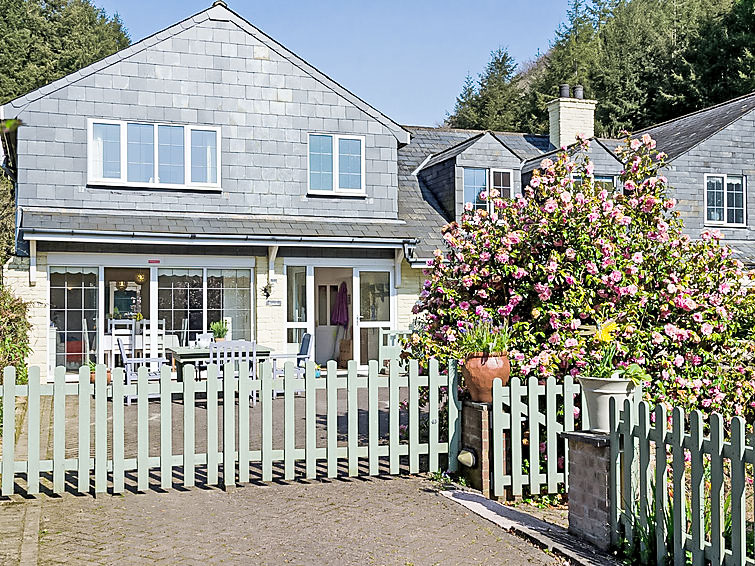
x: 356, y: 265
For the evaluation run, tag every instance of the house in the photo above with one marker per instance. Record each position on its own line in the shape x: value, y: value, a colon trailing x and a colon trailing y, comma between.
x: 208, y: 173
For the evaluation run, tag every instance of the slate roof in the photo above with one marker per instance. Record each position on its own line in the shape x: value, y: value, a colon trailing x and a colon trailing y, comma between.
x: 198, y: 225
x: 679, y: 135
x: 417, y: 205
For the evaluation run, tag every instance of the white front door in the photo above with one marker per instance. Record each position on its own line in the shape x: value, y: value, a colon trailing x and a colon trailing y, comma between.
x: 373, y: 307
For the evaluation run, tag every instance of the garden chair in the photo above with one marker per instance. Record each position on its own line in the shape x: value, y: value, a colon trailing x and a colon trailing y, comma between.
x: 302, y: 357
x: 236, y: 352
x: 389, y: 348
x: 131, y: 366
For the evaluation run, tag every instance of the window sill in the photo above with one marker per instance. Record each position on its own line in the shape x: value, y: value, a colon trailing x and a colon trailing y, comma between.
x: 337, y: 194
x: 153, y: 186
x: 723, y: 225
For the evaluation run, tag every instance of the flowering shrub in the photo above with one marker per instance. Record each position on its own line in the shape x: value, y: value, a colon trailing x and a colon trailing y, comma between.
x: 566, y: 254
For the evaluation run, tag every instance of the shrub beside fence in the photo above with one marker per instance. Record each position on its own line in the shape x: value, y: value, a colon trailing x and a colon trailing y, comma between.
x: 655, y: 465
x: 525, y: 417
x: 103, y: 460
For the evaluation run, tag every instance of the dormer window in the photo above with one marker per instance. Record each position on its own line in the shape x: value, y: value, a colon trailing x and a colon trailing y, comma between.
x: 336, y: 165
x: 725, y: 200
x: 166, y: 156
x: 479, y: 180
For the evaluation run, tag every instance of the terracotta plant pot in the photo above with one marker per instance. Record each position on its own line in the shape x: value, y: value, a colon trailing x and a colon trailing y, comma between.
x: 220, y: 339
x: 109, y: 377
x: 479, y: 371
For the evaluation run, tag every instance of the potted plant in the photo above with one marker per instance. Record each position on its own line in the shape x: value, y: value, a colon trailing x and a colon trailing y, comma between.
x: 604, y: 381
x: 219, y: 330
x: 484, y: 349
x: 92, y: 368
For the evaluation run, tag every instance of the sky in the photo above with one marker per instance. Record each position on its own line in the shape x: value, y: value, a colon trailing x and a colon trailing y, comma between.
x: 407, y: 58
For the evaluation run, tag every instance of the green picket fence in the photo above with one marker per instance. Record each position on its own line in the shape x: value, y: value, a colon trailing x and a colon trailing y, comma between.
x: 234, y: 458
x: 524, y: 417
x: 653, y: 468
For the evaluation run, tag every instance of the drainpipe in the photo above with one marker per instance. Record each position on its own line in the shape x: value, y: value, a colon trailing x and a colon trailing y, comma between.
x: 272, y: 254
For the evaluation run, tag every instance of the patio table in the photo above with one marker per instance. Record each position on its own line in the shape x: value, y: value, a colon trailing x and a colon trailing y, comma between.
x: 184, y: 355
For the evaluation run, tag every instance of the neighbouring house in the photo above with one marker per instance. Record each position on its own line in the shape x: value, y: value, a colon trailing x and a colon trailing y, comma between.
x: 207, y: 173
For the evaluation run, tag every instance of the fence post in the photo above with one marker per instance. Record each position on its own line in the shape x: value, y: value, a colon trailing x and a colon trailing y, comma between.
x: 738, y: 501
x: 100, y: 429
x: 289, y: 422
x: 59, y: 431
x: 717, y: 490
x: 85, y: 409
x: 497, y: 445
x: 332, y: 418
x: 661, y: 483
x: 32, y: 412
x: 9, y: 429
x: 454, y: 423
x: 229, y: 423
x: 697, y: 487
x: 372, y: 416
x: 615, y: 468
x: 680, y: 499
x: 432, y: 441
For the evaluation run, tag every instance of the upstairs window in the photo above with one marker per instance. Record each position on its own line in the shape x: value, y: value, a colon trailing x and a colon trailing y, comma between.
x: 336, y: 164
x: 478, y: 180
x: 137, y: 154
x: 725, y: 200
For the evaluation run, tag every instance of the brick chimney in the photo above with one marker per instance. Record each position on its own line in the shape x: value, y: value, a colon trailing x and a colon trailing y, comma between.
x: 570, y: 116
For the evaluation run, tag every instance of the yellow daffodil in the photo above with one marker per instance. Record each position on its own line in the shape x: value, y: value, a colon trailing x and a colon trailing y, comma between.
x: 606, y: 331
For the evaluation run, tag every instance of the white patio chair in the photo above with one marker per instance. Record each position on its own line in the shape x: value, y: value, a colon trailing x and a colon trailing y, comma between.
x: 302, y: 357
x: 236, y: 352
x: 123, y: 330
x: 132, y: 365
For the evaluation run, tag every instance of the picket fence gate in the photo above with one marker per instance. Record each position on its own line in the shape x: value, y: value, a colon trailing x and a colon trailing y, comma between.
x: 700, y: 522
x: 101, y: 463
x: 516, y: 417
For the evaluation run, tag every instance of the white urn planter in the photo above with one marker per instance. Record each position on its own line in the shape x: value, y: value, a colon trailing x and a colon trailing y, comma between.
x: 596, y: 396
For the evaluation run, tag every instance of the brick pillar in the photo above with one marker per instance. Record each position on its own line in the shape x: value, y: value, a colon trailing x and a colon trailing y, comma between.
x: 589, y: 480
x: 476, y: 419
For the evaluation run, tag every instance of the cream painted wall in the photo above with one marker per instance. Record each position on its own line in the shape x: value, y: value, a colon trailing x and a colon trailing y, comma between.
x: 16, y: 278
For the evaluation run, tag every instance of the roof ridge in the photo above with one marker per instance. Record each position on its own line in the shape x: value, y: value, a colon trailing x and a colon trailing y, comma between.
x: 449, y: 129
x: 700, y: 111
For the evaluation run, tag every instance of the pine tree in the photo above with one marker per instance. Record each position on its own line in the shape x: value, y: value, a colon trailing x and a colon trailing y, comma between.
x: 43, y: 40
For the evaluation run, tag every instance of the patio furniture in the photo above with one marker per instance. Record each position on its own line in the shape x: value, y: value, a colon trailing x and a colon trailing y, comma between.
x: 184, y: 356
x: 389, y: 348
x: 145, y: 326
x: 236, y: 352
x: 125, y: 331
x: 304, y: 355
x: 132, y: 366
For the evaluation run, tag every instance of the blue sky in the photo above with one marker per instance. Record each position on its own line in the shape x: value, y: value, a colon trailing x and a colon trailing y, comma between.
x: 408, y: 58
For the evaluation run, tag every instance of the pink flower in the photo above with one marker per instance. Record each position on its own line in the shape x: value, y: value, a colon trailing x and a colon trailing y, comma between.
x: 554, y: 338
x: 550, y: 206
x: 637, y: 257
x: 678, y: 361
x: 592, y: 269
x: 616, y: 276
x: 570, y: 342
x: 657, y: 338
x: 635, y: 144
x: 464, y: 305
x: 519, y: 273
x: 706, y: 329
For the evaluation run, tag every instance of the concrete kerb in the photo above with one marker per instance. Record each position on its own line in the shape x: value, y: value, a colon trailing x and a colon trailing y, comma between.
x: 552, y: 538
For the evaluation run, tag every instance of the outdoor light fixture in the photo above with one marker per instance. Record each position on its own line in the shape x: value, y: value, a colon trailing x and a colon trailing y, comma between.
x: 140, y: 278
x: 121, y: 285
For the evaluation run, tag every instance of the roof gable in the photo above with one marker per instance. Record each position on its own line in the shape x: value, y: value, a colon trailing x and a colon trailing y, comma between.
x: 459, y: 148
x: 217, y: 12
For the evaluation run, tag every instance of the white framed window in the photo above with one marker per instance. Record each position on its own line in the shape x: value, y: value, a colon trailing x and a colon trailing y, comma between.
x: 139, y: 154
x: 478, y: 180
x: 725, y: 197
x: 335, y: 164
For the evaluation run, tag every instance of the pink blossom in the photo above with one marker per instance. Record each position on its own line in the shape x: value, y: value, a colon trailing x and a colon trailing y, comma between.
x: 706, y: 329
x: 637, y: 257
x: 550, y: 206
x: 616, y: 276
x: 570, y: 342
x: 464, y: 305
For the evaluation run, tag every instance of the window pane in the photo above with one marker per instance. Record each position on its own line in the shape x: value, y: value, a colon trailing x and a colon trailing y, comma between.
x: 140, y: 153
x: 73, y: 308
x: 350, y: 164
x: 502, y: 182
x: 715, y: 199
x: 232, y: 299
x: 321, y: 163
x: 374, y: 296
x: 296, y: 306
x: 605, y: 182
x: 179, y: 301
x: 106, y: 153
x: 170, y: 154
x: 204, y: 156
x: 735, y: 209
x: 475, y: 182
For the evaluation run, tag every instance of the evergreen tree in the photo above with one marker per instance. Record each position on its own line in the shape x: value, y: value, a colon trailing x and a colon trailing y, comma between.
x: 43, y: 40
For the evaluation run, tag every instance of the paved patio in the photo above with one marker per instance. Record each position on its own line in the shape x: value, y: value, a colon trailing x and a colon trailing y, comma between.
x: 366, y: 521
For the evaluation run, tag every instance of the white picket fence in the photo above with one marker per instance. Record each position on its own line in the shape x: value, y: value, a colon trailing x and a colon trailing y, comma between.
x: 519, y: 428
x: 109, y: 465
x: 689, y: 493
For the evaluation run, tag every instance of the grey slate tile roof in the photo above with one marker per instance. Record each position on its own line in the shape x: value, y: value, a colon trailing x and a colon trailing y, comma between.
x: 34, y: 220
x: 679, y: 135
x: 417, y: 205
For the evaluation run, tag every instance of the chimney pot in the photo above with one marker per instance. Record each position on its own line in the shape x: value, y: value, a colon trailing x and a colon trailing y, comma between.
x: 579, y: 92
x: 563, y: 90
